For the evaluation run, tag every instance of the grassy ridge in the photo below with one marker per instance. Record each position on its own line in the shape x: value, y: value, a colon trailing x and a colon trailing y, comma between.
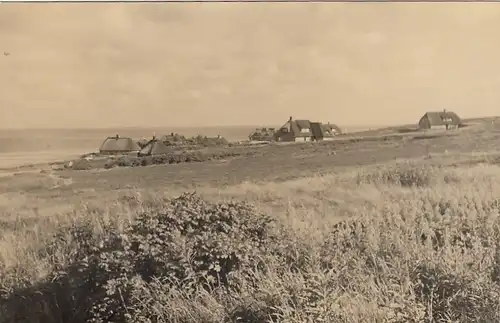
x: 174, y: 157
x: 418, y: 243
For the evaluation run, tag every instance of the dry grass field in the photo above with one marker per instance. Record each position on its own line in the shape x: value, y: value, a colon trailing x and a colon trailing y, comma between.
x: 402, y: 228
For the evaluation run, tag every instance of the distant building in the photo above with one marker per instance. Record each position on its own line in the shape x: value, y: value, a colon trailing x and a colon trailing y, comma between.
x: 154, y: 147
x: 324, y: 131
x: 295, y: 130
x: 263, y: 134
x: 334, y: 129
x: 440, y: 120
x: 118, y: 145
x: 305, y: 130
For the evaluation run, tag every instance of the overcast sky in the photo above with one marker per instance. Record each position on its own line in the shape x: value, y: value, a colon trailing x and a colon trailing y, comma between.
x: 160, y: 64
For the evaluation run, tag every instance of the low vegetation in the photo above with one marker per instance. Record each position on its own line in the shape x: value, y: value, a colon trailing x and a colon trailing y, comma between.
x: 204, y: 141
x: 197, y: 141
x: 175, y: 158
x: 416, y: 243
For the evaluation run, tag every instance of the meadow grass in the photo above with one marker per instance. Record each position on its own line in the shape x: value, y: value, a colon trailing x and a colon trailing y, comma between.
x: 401, y: 242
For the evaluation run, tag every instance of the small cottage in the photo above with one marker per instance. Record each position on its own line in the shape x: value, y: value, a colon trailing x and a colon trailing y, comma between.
x: 324, y: 131
x: 440, y: 120
x: 333, y: 129
x: 118, y: 145
x: 154, y: 147
x: 295, y: 130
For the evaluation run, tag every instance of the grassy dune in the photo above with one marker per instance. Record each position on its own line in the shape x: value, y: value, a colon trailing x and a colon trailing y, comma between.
x: 416, y: 243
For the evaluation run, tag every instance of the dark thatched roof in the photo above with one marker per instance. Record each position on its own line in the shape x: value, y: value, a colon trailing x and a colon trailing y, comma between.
x: 154, y: 147
x: 441, y: 118
x: 118, y: 145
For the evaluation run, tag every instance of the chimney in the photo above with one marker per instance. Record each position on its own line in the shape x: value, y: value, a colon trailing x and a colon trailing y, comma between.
x: 444, y: 111
x: 290, y: 119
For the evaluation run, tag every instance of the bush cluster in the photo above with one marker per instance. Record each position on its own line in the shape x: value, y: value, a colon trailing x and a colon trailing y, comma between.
x: 405, y: 175
x: 185, y: 157
x: 79, y: 164
x: 188, y: 244
x: 200, y: 141
x: 207, y: 141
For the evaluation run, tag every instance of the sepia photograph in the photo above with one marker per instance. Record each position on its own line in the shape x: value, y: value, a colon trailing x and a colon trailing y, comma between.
x: 244, y: 162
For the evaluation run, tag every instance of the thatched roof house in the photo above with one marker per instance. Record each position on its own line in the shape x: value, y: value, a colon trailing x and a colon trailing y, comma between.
x: 322, y: 131
x: 333, y: 128
x: 439, y: 120
x: 295, y: 130
x: 154, y: 147
x: 117, y: 145
x: 305, y: 130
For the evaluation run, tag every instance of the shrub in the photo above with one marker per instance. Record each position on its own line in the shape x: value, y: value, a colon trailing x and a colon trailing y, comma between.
x: 406, y: 175
x: 186, y: 244
x: 204, y: 141
x: 174, y: 158
x: 81, y: 164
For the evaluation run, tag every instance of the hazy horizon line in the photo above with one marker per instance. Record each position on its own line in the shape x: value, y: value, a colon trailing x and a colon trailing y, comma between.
x: 169, y: 126
x: 375, y: 125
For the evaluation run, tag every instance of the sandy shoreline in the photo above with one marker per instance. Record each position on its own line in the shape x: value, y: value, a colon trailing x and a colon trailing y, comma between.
x: 15, y: 160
